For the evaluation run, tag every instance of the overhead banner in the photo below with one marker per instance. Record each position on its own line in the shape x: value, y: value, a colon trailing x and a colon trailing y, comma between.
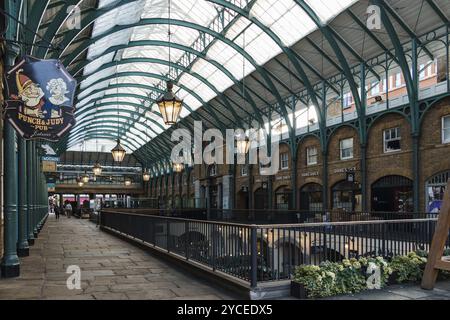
x: 40, y: 99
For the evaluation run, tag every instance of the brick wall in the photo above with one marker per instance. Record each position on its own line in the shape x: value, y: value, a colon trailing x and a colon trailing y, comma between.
x: 434, y: 157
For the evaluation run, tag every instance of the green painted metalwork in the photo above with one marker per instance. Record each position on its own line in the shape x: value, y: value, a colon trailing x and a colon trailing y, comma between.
x: 70, y: 58
x: 55, y: 25
x: 10, y: 265
x: 22, y: 242
x: 35, y: 15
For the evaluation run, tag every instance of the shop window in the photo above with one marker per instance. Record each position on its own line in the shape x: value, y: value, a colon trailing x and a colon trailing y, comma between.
x: 311, y: 156
x: 284, y: 161
x: 435, y: 189
x: 392, y: 140
x: 446, y: 129
x: 346, y: 149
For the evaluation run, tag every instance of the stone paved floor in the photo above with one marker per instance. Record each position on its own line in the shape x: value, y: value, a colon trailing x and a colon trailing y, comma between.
x: 111, y: 269
x: 402, y: 292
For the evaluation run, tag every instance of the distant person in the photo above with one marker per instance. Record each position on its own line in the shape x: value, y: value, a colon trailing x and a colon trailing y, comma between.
x: 68, y: 210
x: 57, y: 212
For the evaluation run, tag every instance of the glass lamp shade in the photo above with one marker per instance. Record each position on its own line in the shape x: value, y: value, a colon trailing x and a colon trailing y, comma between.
x: 146, y: 176
x: 170, y: 106
x: 85, y: 178
x: 242, y: 146
x: 118, y: 152
x: 80, y: 183
x: 128, y: 182
x: 178, y: 167
x: 97, y: 169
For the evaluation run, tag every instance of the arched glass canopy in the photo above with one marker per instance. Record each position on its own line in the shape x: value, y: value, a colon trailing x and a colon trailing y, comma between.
x: 147, y: 22
x: 118, y: 51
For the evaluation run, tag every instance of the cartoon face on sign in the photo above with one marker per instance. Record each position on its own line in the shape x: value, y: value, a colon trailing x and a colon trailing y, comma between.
x: 40, y: 104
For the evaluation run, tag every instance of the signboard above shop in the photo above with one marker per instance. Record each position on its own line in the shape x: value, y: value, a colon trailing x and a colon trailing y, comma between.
x: 39, y: 101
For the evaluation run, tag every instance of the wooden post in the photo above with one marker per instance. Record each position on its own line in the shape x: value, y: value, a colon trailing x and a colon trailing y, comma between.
x: 436, y: 261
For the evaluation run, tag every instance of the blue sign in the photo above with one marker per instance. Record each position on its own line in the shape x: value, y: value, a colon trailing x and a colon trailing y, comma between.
x: 39, y: 102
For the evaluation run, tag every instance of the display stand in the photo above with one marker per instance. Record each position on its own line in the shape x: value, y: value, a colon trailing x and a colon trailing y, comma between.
x: 436, y: 261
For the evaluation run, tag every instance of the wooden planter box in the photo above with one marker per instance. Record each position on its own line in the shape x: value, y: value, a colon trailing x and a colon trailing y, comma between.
x: 298, y: 290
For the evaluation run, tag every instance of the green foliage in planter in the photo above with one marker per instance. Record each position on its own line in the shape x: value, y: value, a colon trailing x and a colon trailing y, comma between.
x: 317, y: 282
x: 348, y: 277
x: 409, y: 268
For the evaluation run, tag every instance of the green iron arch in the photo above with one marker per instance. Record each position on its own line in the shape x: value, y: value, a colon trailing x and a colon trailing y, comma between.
x: 68, y: 60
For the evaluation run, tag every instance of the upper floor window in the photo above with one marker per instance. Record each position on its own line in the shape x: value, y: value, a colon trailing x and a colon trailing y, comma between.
x: 446, y: 129
x: 311, y: 156
x: 347, y: 100
x: 346, y: 149
x: 375, y: 88
x: 398, y: 80
x: 284, y: 161
x: 244, y: 171
x: 213, y: 171
x: 422, y: 71
x: 392, y: 140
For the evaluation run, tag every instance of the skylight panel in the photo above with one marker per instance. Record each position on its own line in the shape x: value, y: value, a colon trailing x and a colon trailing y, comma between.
x: 328, y: 9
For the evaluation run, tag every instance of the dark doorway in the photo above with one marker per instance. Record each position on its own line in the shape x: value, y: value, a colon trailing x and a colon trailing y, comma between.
x: 392, y: 194
x: 283, y: 199
x: 311, y: 197
x: 261, y: 199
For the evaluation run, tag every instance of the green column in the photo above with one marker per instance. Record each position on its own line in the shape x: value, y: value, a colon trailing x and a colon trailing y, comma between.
x: 35, y: 191
x: 23, y: 249
x: 30, y: 219
x: 10, y: 265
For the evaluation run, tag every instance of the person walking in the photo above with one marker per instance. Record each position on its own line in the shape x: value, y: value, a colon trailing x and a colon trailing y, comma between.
x: 68, y: 210
x: 57, y: 212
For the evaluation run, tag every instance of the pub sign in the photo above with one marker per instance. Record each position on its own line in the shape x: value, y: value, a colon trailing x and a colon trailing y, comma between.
x: 39, y: 102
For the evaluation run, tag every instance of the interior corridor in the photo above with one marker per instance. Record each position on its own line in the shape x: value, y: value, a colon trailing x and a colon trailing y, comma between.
x: 110, y: 269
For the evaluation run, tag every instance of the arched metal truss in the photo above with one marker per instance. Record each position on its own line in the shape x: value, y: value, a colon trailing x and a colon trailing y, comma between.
x: 320, y: 66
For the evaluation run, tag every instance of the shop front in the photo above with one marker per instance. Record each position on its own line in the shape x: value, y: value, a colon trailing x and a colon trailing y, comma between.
x: 434, y: 191
x: 261, y: 199
x: 311, y: 197
x: 392, y: 194
x: 283, y: 199
x: 346, y: 195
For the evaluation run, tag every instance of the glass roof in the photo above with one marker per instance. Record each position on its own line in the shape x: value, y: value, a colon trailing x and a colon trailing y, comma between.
x: 108, y: 72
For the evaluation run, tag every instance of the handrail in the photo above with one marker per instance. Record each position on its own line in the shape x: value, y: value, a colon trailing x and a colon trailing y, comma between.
x: 269, y: 226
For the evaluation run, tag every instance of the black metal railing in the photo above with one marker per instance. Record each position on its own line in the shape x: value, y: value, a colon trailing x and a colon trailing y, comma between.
x: 280, y: 216
x: 255, y: 253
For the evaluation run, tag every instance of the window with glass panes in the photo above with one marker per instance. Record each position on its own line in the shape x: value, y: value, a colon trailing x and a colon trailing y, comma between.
x: 311, y: 156
x: 392, y: 140
x: 284, y: 161
x: 244, y: 171
x: 446, y: 129
x: 346, y: 148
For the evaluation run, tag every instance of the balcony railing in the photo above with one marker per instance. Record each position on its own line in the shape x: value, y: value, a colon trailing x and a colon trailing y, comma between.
x: 260, y: 253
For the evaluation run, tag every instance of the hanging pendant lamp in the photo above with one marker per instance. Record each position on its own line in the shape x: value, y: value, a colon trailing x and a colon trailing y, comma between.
x: 118, y: 153
x: 169, y: 104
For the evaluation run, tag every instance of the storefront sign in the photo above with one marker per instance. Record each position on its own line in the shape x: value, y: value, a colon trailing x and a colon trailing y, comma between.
x: 345, y: 170
x: 310, y: 174
x: 39, y: 101
x: 51, y: 158
x: 279, y: 178
x: 49, y: 166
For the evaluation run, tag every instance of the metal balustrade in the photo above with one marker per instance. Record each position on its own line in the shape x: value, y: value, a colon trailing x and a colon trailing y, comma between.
x: 261, y: 253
